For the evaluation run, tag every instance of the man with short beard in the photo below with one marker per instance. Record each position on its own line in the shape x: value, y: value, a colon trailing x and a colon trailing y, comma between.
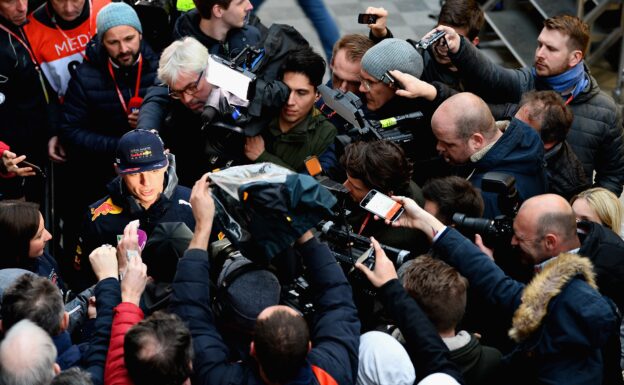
x: 58, y: 32
x: 596, y: 132
x: 102, y: 102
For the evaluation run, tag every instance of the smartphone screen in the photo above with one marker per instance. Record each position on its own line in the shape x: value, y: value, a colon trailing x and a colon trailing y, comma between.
x: 382, y: 205
x: 367, y: 18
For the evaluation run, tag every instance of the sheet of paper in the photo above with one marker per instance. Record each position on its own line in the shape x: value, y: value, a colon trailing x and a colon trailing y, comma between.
x: 227, y: 78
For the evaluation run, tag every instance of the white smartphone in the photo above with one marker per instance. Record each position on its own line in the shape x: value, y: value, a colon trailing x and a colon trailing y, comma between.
x: 382, y: 205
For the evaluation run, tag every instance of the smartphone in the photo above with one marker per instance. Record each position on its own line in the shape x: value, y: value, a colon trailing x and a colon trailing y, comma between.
x: 313, y: 166
x: 382, y: 205
x: 426, y: 43
x: 391, y: 81
x: 367, y: 18
x: 35, y: 168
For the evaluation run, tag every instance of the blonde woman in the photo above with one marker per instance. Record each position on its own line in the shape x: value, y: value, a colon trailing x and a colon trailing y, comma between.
x: 601, y: 206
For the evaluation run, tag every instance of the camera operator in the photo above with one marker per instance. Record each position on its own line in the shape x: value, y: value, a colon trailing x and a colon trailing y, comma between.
x: 384, y: 100
x: 221, y: 27
x: 300, y: 130
x: 199, y: 146
x: 283, y: 348
x: 566, y: 332
x: 382, y: 166
x: 468, y: 135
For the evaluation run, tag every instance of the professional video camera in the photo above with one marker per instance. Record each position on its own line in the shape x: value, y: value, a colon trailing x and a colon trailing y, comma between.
x: 295, y: 294
x: 497, y: 232
x: 349, y: 107
x: 349, y: 248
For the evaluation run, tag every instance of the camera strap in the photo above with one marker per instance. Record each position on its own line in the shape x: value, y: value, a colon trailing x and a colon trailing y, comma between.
x: 364, y: 223
x: 136, y: 88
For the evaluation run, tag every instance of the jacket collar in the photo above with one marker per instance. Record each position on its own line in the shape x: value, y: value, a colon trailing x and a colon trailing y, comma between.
x: 543, y: 288
x: 298, y: 132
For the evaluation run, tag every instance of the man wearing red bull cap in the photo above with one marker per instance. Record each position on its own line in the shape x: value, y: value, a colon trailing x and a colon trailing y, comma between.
x: 146, y: 189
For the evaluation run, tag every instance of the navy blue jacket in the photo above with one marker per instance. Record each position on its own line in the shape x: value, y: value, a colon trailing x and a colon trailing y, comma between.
x: 93, y: 118
x: 334, y: 335
x: 108, y: 295
x: 566, y: 346
x: 107, y: 218
x: 520, y: 153
x: 596, y: 133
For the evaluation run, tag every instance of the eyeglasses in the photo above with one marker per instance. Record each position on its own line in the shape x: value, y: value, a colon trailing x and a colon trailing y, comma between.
x: 190, y: 89
x: 367, y: 84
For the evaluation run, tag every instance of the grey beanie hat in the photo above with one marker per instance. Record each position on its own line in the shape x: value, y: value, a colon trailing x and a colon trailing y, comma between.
x: 392, y: 54
x: 116, y: 14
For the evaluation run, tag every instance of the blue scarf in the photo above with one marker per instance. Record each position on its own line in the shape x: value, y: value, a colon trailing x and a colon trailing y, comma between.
x: 575, y: 78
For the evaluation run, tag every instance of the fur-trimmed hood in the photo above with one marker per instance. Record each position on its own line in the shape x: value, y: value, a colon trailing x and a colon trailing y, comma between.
x: 543, y: 288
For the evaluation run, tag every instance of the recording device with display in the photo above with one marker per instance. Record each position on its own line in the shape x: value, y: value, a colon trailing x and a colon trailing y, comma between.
x: 426, y: 43
x: 382, y: 205
x: 367, y: 18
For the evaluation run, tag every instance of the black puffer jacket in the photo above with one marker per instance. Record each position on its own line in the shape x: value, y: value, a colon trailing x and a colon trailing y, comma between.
x: 596, y: 133
x: 23, y: 113
x: 93, y: 117
x: 566, y: 176
x: 235, y: 41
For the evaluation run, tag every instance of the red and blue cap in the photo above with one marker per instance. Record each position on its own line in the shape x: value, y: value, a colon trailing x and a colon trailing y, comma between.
x: 140, y: 151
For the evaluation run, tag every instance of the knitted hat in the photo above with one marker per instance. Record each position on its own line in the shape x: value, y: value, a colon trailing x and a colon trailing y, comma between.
x: 140, y: 151
x: 116, y: 14
x: 245, y: 290
x: 392, y: 54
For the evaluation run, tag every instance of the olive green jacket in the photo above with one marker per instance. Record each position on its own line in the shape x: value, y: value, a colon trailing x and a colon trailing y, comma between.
x: 310, y: 137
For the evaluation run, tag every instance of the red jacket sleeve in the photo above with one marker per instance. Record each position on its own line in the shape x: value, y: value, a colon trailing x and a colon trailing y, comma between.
x: 125, y: 315
x: 4, y: 147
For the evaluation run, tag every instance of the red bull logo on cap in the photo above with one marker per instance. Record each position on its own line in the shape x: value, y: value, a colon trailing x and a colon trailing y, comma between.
x: 107, y: 207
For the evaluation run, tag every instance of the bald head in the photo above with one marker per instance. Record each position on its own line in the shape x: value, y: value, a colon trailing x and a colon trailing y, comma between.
x: 545, y: 227
x: 544, y: 208
x: 463, y: 125
x: 467, y: 113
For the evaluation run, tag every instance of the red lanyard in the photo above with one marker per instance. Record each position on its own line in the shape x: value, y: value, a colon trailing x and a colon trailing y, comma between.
x: 53, y: 18
x: 32, y: 58
x: 136, y: 88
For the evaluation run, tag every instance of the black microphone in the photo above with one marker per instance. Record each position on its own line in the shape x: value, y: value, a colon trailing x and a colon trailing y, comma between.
x: 395, y: 121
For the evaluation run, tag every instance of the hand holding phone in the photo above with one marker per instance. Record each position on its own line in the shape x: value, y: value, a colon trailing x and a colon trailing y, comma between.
x: 390, y: 80
x: 382, y: 205
x: 367, y: 18
x: 36, y: 169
